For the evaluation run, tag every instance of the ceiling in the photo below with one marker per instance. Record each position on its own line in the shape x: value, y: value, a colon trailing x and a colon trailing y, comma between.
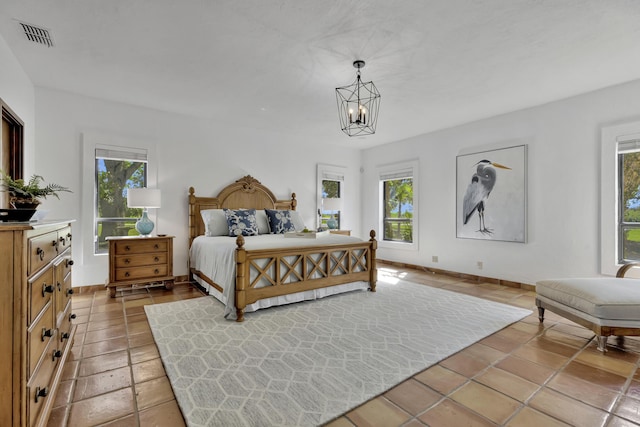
x: 273, y: 65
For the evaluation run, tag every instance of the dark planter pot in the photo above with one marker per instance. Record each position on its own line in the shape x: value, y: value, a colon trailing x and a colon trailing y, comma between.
x: 16, y: 215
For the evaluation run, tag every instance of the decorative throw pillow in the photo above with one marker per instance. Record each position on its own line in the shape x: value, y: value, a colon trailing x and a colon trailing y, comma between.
x: 263, y: 222
x: 241, y: 222
x: 279, y: 221
x: 215, y: 222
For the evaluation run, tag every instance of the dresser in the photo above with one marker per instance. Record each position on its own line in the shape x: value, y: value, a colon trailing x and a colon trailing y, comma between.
x: 135, y: 260
x: 36, y: 332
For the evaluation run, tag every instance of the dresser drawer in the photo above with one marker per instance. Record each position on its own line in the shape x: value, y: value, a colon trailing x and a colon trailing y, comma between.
x: 139, y: 260
x: 39, y: 388
x: 42, y: 249
x: 41, y: 289
x: 64, y: 328
x: 64, y: 239
x: 140, y: 246
x: 39, y: 336
x: 147, y: 272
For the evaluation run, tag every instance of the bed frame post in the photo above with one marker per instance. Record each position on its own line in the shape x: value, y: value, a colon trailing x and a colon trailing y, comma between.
x: 294, y: 202
x: 241, y: 258
x: 373, y: 270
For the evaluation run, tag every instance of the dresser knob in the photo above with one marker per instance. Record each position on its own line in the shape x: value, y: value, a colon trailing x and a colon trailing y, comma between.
x: 40, y: 253
x: 69, y: 262
x: 127, y: 261
x: 56, y: 354
x: 47, y: 289
x: 63, y: 241
x: 69, y: 292
x: 156, y: 259
x: 127, y: 248
x: 41, y: 392
x: 126, y: 274
x: 156, y: 271
x: 64, y: 336
x: 59, y: 287
x: 69, y: 236
x: 72, y: 316
x: 46, y: 333
x: 156, y: 246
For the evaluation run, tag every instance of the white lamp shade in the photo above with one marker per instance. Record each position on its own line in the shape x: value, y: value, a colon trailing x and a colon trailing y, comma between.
x: 143, y: 198
x: 332, y: 204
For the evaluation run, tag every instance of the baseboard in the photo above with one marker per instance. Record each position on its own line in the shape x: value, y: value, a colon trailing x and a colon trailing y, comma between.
x: 470, y: 277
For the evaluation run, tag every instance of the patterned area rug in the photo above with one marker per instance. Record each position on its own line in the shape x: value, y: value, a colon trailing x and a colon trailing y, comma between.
x: 306, y: 363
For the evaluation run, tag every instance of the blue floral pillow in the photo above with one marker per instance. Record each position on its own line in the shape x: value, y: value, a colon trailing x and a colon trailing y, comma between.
x: 241, y: 222
x: 279, y: 221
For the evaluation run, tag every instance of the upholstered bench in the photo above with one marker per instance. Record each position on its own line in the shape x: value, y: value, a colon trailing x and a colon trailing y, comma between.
x: 607, y: 306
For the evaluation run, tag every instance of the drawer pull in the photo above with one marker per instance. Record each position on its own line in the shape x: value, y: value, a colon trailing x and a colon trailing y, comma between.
x: 156, y: 259
x: 127, y: 260
x: 64, y: 336
x: 54, y: 243
x: 41, y: 392
x: 127, y: 248
x: 156, y: 246
x: 72, y: 316
x: 55, y: 354
x: 40, y: 253
x: 68, y: 263
x: 46, y: 333
x: 156, y: 271
x: 47, y: 289
x: 59, y: 287
x: 63, y: 241
x: 126, y: 274
x: 69, y: 292
x: 69, y: 236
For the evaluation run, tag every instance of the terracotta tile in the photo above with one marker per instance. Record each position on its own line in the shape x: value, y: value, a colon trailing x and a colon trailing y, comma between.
x: 164, y: 414
x: 583, y: 391
x: 501, y: 342
x: 441, y: 379
x: 70, y: 370
x: 567, y: 409
x: 58, y: 417
x: 340, y: 422
x: 526, y: 369
x: 138, y: 327
x: 102, y: 347
x: 540, y: 356
x: 101, y: 409
x: 595, y: 375
x: 139, y: 302
x: 620, y: 422
x: 107, y: 315
x: 487, y: 402
x: 628, y: 409
x: 412, y: 396
x: 148, y: 370
x: 528, y: 417
x: 153, y: 392
x: 448, y: 413
x: 128, y: 421
x: 105, y: 334
x: 378, y: 412
x: 103, y: 308
x: 144, y: 353
x: 543, y: 343
x: 485, y: 353
x: 105, y: 324
x: 507, y: 383
x: 634, y: 389
x: 607, y: 362
x: 135, y: 310
x: 139, y: 340
x: 103, y: 362
x: 101, y: 383
x: 464, y: 364
x: 64, y: 393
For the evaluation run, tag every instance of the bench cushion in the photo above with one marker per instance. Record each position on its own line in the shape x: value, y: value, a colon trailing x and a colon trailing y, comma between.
x: 602, y: 297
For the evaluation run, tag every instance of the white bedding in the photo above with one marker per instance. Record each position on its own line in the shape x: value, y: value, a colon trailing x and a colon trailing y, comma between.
x: 215, y: 258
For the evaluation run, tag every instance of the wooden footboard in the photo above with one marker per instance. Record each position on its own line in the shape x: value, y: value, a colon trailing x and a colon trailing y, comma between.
x: 270, y: 273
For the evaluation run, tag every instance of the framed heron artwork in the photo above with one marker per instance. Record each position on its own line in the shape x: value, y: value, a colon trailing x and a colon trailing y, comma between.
x: 491, y: 195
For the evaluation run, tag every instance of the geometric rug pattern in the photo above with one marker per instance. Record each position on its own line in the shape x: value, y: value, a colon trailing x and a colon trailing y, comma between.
x: 306, y: 363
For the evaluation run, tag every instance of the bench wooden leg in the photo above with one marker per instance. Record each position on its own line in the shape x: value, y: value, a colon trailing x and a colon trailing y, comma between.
x: 602, y: 343
x: 541, y: 314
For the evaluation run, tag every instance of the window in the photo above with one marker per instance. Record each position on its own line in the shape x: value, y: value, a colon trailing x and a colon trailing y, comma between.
x: 331, y: 194
x: 628, y: 201
x: 11, y: 147
x: 116, y: 170
x: 398, y: 204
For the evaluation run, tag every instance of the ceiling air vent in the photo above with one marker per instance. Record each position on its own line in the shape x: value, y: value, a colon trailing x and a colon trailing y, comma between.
x: 37, y: 34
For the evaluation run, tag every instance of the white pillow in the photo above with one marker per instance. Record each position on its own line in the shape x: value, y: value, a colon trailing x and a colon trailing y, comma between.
x: 262, y: 221
x: 215, y: 222
x: 297, y: 220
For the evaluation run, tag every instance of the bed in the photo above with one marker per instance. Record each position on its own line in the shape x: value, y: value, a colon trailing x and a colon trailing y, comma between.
x: 248, y: 273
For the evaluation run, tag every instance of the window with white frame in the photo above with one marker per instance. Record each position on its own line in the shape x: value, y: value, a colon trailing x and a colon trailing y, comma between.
x: 628, y: 183
x: 398, y: 203
x: 116, y: 170
x: 331, y: 192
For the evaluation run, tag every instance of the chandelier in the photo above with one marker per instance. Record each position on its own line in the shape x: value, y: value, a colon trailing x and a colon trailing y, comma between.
x: 358, y: 105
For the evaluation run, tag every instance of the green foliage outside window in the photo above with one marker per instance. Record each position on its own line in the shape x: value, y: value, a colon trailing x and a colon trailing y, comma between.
x: 398, y: 210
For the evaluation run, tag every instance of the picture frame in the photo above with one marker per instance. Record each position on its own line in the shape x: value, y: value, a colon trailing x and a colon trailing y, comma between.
x: 491, y: 194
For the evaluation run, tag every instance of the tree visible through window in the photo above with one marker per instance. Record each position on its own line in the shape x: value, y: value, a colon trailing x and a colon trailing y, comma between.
x: 629, y: 205
x: 331, y: 189
x: 398, y: 210
x: 116, y: 172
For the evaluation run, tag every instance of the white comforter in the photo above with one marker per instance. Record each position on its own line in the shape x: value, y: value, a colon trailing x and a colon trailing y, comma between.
x: 215, y: 258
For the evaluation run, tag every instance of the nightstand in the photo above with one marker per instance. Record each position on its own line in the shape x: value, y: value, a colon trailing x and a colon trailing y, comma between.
x: 135, y: 260
x: 345, y: 232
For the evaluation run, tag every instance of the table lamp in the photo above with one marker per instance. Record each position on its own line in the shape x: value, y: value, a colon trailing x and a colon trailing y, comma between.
x: 332, y: 204
x: 144, y: 198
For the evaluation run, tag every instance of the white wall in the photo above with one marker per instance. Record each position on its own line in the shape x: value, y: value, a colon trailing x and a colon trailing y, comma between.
x: 17, y: 91
x: 564, y: 144
x: 190, y: 152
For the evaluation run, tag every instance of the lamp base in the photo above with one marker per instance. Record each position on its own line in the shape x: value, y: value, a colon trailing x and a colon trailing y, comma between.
x: 144, y: 225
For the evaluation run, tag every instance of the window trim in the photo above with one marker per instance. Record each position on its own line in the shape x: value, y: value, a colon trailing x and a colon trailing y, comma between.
x: 406, y: 168
x: 611, y: 136
x: 333, y: 173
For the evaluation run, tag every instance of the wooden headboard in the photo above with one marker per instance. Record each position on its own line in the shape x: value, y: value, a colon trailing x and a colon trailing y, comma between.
x: 245, y: 193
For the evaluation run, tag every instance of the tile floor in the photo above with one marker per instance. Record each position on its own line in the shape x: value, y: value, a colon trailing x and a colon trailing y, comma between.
x: 524, y: 375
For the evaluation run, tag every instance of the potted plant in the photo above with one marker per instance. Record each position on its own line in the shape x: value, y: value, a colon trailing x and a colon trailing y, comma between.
x: 28, y: 194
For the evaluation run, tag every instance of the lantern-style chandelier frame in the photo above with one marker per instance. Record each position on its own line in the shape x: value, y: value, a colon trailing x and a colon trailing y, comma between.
x: 358, y: 105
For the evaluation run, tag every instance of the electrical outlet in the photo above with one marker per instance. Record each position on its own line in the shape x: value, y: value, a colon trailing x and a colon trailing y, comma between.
x: 479, y: 264
x: 434, y: 258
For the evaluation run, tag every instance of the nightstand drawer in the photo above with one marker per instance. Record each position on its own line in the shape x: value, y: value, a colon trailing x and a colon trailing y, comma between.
x: 146, y: 272
x: 42, y: 249
x: 140, y: 247
x: 139, y: 260
x: 39, y: 336
x: 41, y: 290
